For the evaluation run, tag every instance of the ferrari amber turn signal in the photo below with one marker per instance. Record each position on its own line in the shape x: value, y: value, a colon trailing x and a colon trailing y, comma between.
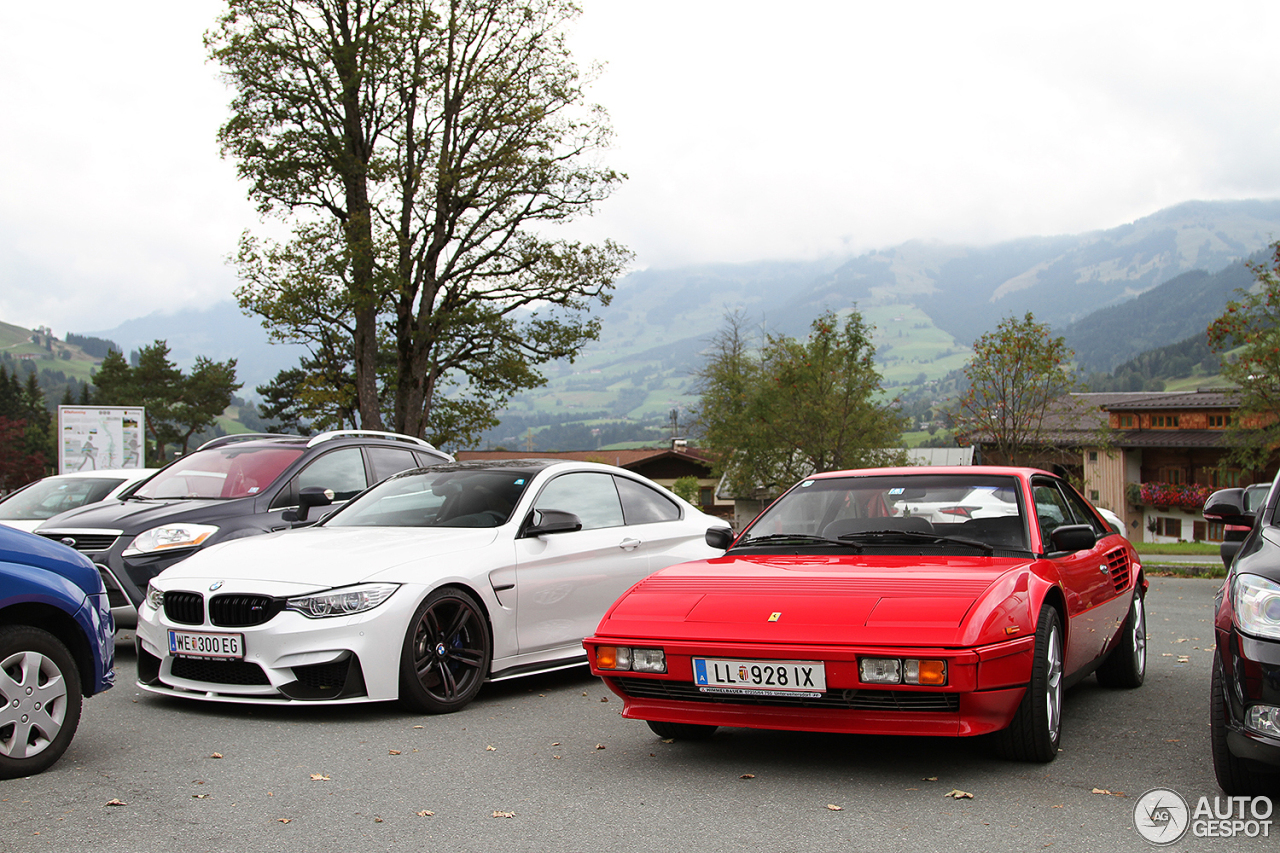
x: 636, y: 660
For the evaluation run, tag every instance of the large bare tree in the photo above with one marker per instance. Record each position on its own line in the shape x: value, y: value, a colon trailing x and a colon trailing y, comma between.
x: 423, y: 150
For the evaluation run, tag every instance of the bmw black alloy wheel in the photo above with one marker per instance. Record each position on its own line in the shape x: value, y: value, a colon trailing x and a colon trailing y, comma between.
x: 446, y: 654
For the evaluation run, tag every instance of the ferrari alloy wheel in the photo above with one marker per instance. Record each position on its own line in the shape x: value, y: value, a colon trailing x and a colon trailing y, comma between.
x: 40, y: 692
x: 1036, y: 729
x: 446, y: 653
x: 1233, y: 774
x: 1126, y: 666
x: 681, y: 731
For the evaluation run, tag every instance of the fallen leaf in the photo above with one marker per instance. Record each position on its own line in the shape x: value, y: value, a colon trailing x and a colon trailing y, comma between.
x: 417, y: 727
x: 319, y: 777
x: 599, y: 746
x: 957, y: 794
x: 930, y: 779
x: 668, y: 740
x: 426, y: 813
x: 555, y: 756
x: 199, y: 796
x: 284, y: 820
x: 557, y: 743
x: 1183, y: 659
x: 216, y: 755
x: 1058, y: 807
x: 393, y: 752
x: 604, y: 698
x: 504, y: 814
x: 747, y: 776
x: 833, y: 807
x: 377, y: 820
x: 115, y: 802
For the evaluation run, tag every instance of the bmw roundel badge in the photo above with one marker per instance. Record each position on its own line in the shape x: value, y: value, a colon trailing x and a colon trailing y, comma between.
x: 215, y: 586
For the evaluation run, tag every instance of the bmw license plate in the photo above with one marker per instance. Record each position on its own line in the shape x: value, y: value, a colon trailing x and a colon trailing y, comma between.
x: 807, y: 678
x: 189, y: 644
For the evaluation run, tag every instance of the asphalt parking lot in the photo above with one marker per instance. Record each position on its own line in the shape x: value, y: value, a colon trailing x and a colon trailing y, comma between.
x: 547, y: 764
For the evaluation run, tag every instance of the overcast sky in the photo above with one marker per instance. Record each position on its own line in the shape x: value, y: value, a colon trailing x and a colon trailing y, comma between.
x: 750, y: 130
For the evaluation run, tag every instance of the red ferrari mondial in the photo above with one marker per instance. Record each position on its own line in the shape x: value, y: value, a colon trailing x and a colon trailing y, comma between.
x: 938, y: 601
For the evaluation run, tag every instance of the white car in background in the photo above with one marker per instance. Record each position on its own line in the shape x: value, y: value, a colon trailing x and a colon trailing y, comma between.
x: 30, y: 505
x: 420, y: 588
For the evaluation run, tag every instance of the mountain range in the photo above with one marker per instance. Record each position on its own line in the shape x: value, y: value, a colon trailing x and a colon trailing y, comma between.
x: 1112, y: 293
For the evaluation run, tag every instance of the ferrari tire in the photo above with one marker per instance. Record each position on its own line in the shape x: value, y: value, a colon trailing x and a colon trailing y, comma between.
x: 1036, y: 729
x: 1233, y: 774
x: 446, y: 653
x: 40, y: 693
x: 1126, y: 666
x: 681, y: 731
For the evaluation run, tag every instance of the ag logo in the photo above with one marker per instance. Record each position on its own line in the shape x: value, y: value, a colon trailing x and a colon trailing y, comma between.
x: 1161, y: 816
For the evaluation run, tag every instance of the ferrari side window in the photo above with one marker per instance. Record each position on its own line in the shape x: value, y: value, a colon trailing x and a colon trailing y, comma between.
x: 1051, y: 509
x: 590, y: 496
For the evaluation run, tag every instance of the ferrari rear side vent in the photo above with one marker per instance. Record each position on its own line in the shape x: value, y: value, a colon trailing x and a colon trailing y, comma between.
x: 1118, y: 563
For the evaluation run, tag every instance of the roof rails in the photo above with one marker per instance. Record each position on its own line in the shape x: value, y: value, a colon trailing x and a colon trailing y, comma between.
x: 243, y: 436
x: 393, y: 436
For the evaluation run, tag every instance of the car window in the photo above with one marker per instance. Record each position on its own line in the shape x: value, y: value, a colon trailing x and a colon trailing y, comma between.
x: 225, y: 472
x: 49, y: 497
x: 339, y: 470
x: 1082, y: 513
x: 589, y: 495
x: 390, y: 460
x: 1051, y: 509
x: 644, y: 505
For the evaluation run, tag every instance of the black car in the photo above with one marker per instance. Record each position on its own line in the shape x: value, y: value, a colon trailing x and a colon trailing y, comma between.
x: 1244, y: 698
x: 231, y: 487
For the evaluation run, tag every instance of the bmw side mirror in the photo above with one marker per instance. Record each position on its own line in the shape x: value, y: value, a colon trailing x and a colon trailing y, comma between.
x: 544, y: 521
x: 719, y: 538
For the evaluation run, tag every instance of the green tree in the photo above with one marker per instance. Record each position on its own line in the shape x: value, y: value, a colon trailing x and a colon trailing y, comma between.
x: 26, y: 434
x: 177, y: 405
x: 1018, y: 374
x: 423, y: 149
x: 782, y: 411
x: 1247, y: 336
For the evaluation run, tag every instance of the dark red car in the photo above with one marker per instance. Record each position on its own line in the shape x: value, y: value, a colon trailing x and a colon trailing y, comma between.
x: 904, y: 601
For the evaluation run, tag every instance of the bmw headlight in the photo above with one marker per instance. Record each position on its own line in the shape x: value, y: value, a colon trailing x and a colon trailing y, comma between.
x: 1257, y: 604
x: 342, y: 602
x: 170, y: 536
x: 155, y: 598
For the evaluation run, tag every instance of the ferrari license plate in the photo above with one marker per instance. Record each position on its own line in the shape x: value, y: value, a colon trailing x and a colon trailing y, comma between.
x: 190, y: 644
x: 760, y: 677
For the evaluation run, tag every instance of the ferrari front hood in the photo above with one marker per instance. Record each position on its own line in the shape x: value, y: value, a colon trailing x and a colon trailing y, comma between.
x: 921, y: 601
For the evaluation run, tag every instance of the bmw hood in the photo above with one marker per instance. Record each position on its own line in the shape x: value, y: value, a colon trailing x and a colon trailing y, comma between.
x: 933, y: 601
x: 322, y: 557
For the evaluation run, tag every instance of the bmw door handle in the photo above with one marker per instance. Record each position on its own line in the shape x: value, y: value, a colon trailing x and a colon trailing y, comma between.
x: 629, y: 544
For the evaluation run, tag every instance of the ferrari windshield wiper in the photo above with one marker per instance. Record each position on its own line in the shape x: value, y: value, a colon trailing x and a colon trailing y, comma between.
x: 796, y: 539
x: 920, y: 534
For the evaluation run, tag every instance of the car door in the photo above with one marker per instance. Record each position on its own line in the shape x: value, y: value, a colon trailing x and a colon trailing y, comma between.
x: 1086, y: 580
x: 565, y: 581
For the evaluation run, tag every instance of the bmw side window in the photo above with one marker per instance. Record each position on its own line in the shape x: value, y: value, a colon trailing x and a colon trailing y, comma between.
x: 643, y: 505
x: 590, y: 496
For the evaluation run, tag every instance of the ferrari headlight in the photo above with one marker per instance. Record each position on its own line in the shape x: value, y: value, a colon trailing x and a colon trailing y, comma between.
x: 342, y: 602
x: 170, y: 536
x: 635, y: 660
x: 1257, y: 605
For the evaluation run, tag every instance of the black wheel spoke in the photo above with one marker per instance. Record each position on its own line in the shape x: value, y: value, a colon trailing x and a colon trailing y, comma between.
x: 449, y: 651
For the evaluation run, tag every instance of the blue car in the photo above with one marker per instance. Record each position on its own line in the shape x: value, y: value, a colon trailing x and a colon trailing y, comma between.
x: 57, y: 646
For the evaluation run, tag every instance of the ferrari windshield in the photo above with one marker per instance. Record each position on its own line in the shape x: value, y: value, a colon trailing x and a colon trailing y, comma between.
x: 910, y: 507
x: 437, y: 498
